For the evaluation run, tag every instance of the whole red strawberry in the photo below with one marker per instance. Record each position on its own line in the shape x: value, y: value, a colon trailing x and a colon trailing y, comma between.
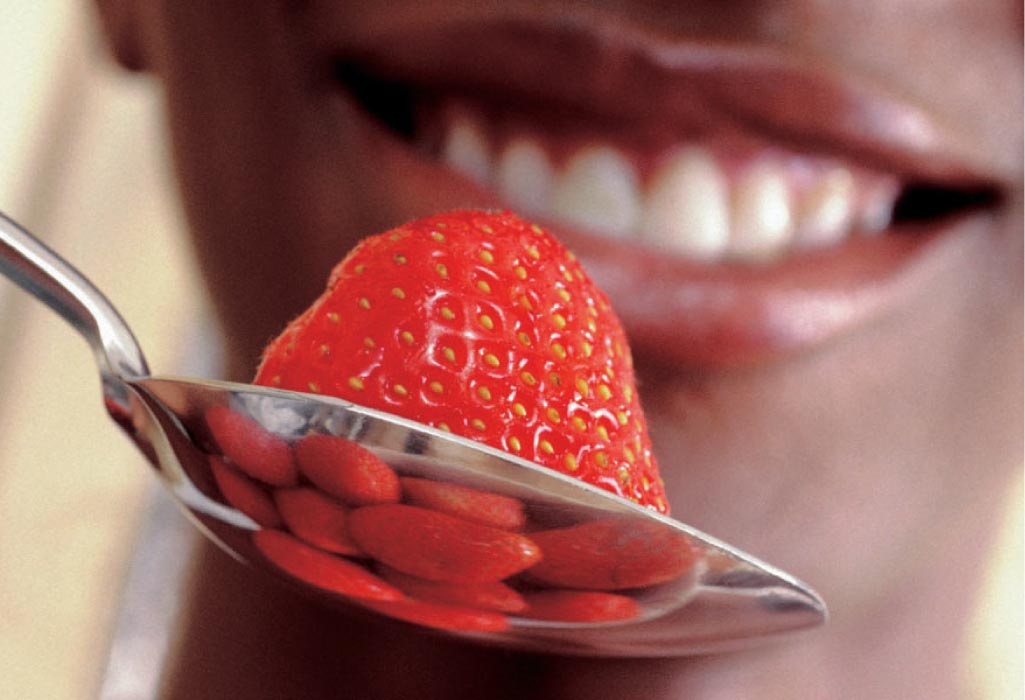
x: 482, y: 324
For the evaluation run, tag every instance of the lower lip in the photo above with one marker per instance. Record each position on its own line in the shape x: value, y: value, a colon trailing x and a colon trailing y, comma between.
x: 683, y: 312
x: 732, y: 315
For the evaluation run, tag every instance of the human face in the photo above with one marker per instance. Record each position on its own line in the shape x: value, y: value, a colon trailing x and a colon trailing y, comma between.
x: 819, y: 403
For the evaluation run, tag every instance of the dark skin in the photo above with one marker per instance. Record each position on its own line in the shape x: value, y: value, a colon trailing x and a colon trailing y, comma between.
x: 871, y: 465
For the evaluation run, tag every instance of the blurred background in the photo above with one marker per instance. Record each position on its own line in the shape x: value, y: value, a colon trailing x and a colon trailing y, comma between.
x: 91, y: 551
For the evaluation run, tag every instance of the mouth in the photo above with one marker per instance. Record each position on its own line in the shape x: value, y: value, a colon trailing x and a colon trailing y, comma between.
x: 733, y: 205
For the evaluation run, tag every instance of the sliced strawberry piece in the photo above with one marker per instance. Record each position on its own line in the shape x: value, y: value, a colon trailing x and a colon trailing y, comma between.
x: 244, y: 494
x: 489, y: 595
x: 316, y: 519
x: 438, y: 546
x: 612, y: 554
x: 463, y: 502
x: 485, y: 325
x: 320, y: 569
x: 580, y: 606
x: 346, y: 470
x: 443, y: 617
x: 252, y: 449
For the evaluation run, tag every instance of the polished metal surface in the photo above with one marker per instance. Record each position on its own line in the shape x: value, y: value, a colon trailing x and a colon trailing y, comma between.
x: 716, y: 597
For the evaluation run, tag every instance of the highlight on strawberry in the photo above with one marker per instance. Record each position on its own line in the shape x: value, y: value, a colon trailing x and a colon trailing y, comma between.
x: 481, y: 324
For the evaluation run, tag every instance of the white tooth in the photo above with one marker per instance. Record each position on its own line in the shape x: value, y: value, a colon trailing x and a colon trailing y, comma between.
x: 876, y: 207
x: 466, y: 148
x: 598, y: 190
x: 687, y: 208
x: 826, y: 210
x: 762, y: 218
x: 524, y: 175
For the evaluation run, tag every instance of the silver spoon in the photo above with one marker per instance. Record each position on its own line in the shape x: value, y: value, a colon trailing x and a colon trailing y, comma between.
x: 614, y: 579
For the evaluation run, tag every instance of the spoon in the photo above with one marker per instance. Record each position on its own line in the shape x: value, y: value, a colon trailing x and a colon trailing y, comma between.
x: 576, y: 570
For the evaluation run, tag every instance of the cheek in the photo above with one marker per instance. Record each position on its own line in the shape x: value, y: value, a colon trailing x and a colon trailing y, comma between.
x: 271, y: 200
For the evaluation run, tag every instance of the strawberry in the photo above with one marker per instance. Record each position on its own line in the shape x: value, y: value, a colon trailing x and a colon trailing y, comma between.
x: 244, y: 494
x: 439, y: 546
x: 252, y: 449
x: 320, y: 569
x: 485, y: 325
x: 346, y: 470
x: 580, y: 606
x: 440, y: 616
x: 489, y: 595
x: 316, y: 519
x: 612, y: 554
x: 463, y: 502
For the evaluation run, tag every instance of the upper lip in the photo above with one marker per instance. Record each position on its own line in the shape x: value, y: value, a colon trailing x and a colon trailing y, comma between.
x: 621, y: 74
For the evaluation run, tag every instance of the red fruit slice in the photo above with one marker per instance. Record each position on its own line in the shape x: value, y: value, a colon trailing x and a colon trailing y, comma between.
x: 489, y: 595
x: 482, y: 507
x: 320, y: 569
x: 317, y: 519
x: 252, y: 449
x: 442, y: 617
x: 347, y: 471
x: 580, y: 606
x: 244, y: 494
x: 438, y: 546
x: 612, y: 554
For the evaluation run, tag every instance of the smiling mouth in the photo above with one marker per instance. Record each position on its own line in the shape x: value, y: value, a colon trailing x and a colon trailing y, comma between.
x: 733, y: 204
x: 719, y: 195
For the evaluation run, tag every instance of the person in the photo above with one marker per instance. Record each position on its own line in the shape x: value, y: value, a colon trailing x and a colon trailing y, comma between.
x: 807, y: 214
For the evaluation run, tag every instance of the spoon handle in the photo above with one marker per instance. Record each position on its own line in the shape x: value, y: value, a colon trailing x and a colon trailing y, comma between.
x: 30, y: 264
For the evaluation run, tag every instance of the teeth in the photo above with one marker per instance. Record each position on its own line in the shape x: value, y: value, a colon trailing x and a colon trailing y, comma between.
x: 762, y: 217
x: 826, y: 210
x: 877, y: 206
x: 691, y: 205
x: 524, y: 175
x: 598, y: 189
x: 687, y: 208
x: 466, y: 148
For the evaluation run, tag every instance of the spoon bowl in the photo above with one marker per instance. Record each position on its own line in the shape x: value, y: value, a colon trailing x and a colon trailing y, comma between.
x: 384, y: 516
